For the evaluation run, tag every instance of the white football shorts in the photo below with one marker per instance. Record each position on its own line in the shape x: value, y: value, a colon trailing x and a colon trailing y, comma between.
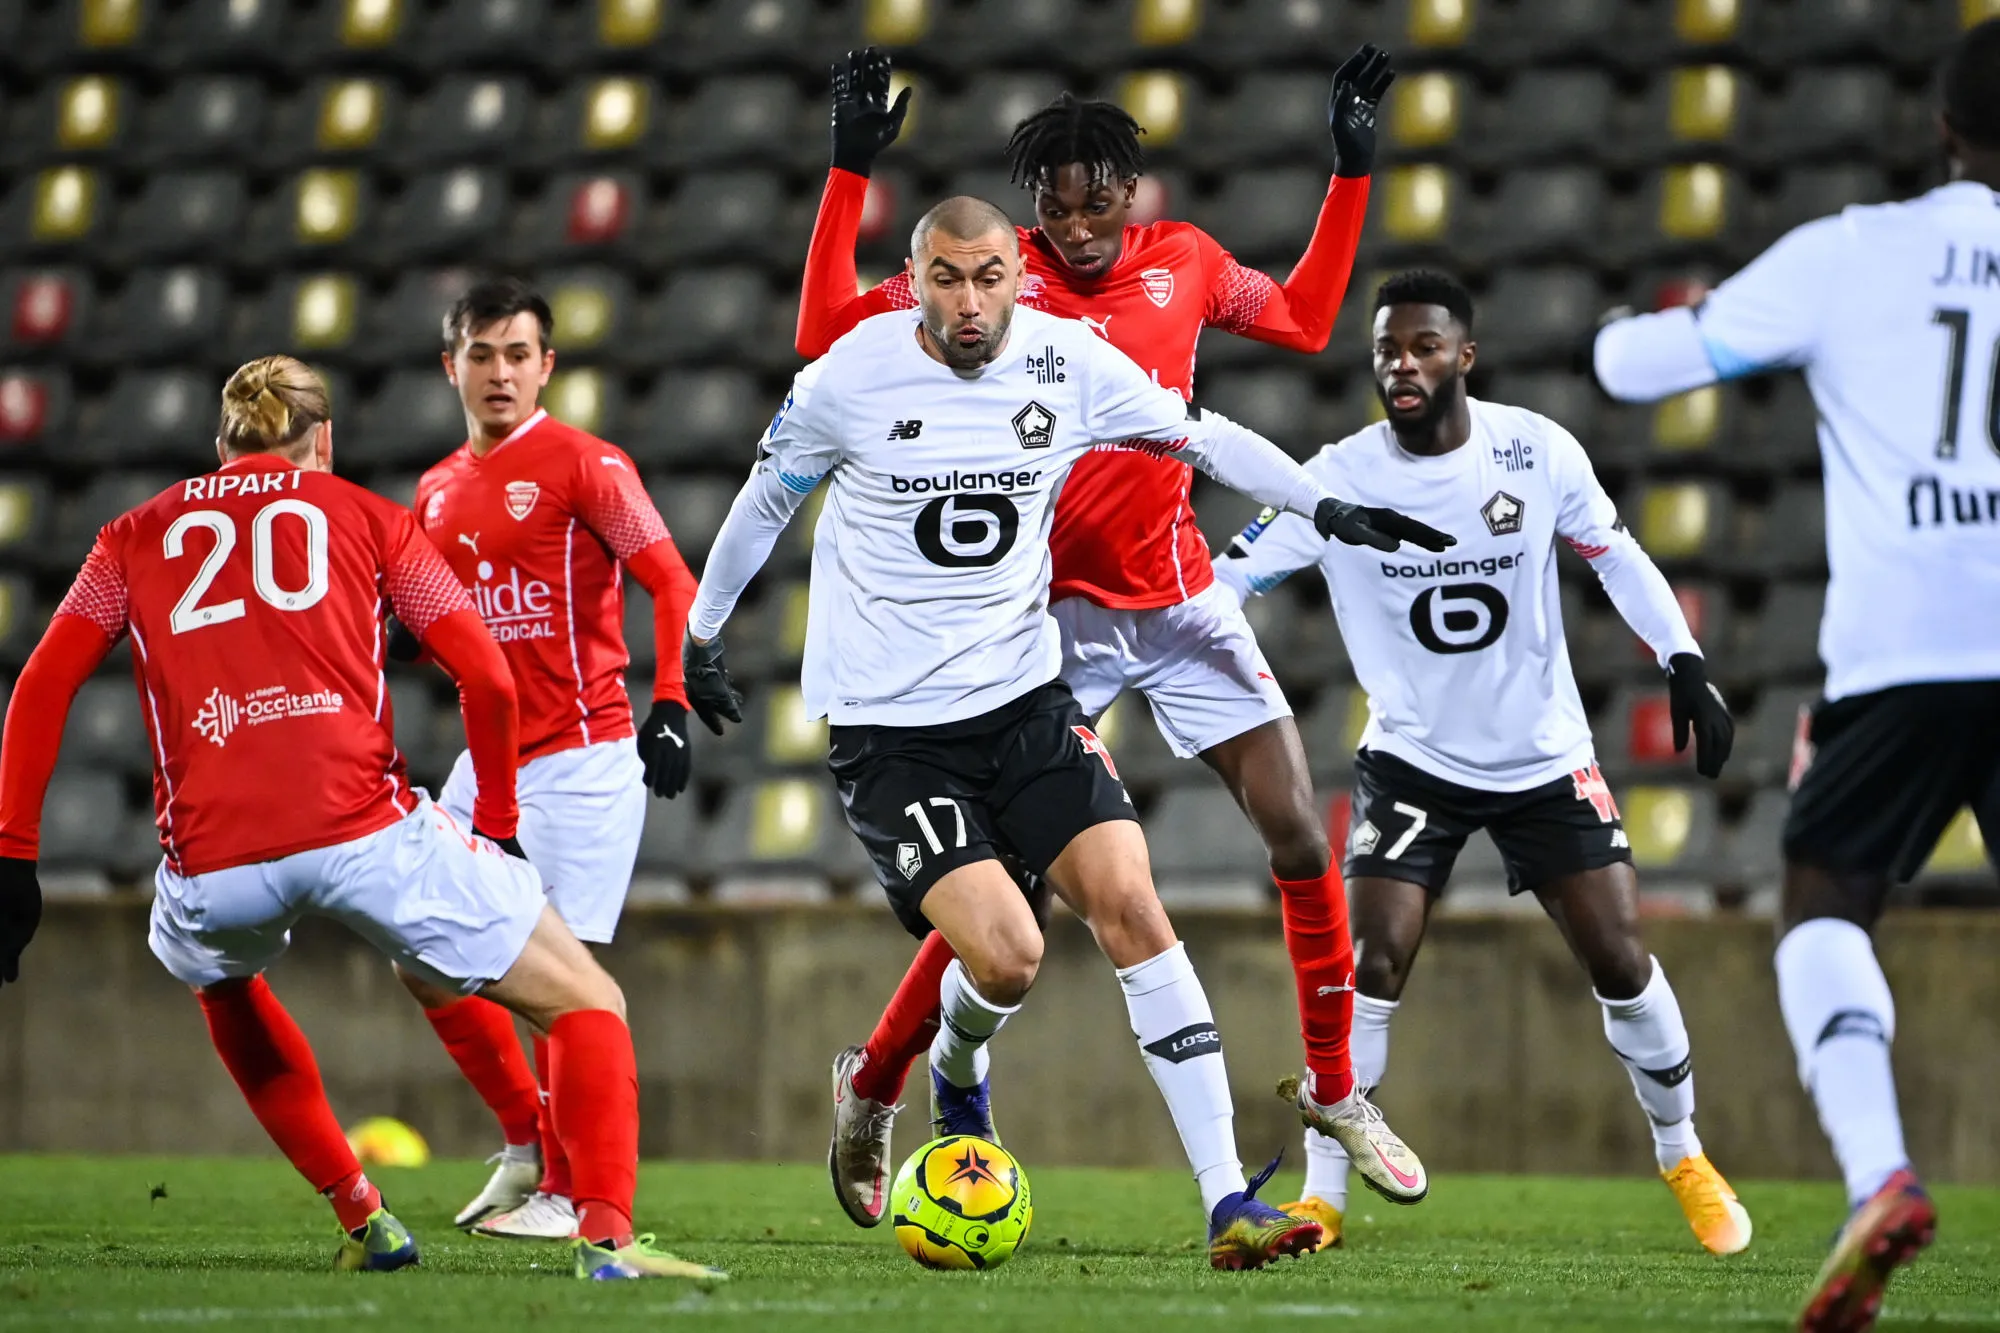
x: 1197, y: 663
x: 582, y: 812
x: 454, y: 912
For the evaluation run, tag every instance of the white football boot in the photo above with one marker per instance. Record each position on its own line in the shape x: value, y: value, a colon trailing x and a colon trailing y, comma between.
x: 1385, y: 1162
x: 858, y: 1158
x: 513, y: 1181
x: 542, y: 1217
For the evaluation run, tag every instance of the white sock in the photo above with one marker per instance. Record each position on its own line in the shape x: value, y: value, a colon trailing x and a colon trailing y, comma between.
x: 967, y: 1022
x: 1368, y: 1042
x: 1183, y: 1051
x: 1840, y: 1014
x: 1650, y: 1039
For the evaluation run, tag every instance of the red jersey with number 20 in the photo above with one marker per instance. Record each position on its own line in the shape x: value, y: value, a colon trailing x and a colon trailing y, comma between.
x: 254, y: 596
x: 536, y: 529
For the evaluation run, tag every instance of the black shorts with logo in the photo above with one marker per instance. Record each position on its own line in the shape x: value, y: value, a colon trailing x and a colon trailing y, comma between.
x: 1410, y: 825
x: 1887, y: 771
x: 1021, y: 780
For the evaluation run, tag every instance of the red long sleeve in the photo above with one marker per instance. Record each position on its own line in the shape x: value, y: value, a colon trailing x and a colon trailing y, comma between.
x: 69, y: 651
x: 829, y: 300
x: 1299, y: 313
x: 462, y: 646
x: 662, y: 573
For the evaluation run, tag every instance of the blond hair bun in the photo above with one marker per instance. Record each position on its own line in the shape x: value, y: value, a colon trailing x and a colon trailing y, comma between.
x: 270, y: 402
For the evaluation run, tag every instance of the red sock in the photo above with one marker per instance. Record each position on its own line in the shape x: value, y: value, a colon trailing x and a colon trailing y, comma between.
x: 906, y: 1027
x: 555, y: 1160
x: 273, y: 1064
x: 594, y: 1088
x: 480, y: 1036
x: 1322, y: 952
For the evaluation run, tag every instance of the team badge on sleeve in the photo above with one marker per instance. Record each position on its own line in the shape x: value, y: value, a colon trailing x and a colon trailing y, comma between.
x: 521, y: 497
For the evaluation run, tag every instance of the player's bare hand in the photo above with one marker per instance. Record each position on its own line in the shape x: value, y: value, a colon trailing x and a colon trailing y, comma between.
x: 1699, y: 707
x: 1383, y: 529
x: 664, y: 749
x: 1358, y: 86
x: 20, y: 913
x: 711, y: 693
x: 864, y: 123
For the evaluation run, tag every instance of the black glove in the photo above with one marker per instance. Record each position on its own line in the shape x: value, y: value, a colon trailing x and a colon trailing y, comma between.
x: 1699, y: 707
x: 20, y: 913
x: 863, y: 121
x: 403, y: 645
x: 663, y: 749
x: 511, y: 846
x: 712, y: 694
x: 1358, y: 86
x: 1383, y: 529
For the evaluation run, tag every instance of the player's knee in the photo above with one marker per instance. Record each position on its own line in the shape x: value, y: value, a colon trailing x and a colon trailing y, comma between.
x: 1380, y: 969
x: 1620, y: 968
x: 1006, y: 973
x: 426, y: 994
x: 1299, y: 847
x: 1131, y: 926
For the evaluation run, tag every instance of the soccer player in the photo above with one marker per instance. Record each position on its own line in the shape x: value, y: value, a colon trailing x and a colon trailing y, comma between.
x: 944, y: 435
x: 539, y: 520
x: 1474, y: 719
x: 1893, y: 313
x: 254, y: 597
x: 1130, y: 566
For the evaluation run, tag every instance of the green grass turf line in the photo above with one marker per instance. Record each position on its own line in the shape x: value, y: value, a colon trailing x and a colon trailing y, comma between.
x: 242, y: 1243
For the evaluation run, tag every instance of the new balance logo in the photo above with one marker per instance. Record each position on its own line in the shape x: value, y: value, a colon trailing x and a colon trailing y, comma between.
x: 906, y: 430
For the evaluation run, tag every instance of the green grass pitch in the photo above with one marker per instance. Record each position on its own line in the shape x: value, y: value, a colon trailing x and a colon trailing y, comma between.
x: 242, y: 1243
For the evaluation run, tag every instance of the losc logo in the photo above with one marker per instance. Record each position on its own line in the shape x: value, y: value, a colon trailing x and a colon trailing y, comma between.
x: 1035, y: 426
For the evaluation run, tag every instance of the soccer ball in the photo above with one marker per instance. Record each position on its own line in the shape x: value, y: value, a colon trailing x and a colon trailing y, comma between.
x: 385, y: 1141
x: 961, y: 1202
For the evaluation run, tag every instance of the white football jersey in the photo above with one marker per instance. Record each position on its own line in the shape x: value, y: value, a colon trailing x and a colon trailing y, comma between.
x: 1893, y: 312
x: 930, y: 567
x: 1462, y: 654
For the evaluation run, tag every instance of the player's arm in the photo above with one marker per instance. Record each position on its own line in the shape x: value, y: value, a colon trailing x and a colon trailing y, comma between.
x: 616, y: 508
x: 1270, y: 550
x: 1767, y: 317
x: 1299, y: 312
x: 1123, y: 405
x: 432, y: 604
x: 85, y: 626
x: 864, y: 123
x: 798, y: 450
x: 1589, y: 522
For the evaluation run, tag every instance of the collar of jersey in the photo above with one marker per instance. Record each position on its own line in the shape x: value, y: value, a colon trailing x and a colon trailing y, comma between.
x: 1969, y: 192
x: 264, y: 462
x: 539, y: 415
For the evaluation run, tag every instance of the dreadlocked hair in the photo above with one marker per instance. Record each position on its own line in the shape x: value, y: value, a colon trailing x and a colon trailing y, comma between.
x: 1100, y: 135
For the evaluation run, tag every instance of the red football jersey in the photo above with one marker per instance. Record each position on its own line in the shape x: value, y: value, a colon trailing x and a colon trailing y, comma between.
x: 254, y: 596
x: 536, y: 530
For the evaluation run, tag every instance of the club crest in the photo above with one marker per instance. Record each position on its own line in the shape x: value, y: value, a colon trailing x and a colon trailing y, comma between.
x: 1035, y: 426
x: 521, y: 497
x: 908, y: 859
x: 1502, y: 514
x: 1158, y: 284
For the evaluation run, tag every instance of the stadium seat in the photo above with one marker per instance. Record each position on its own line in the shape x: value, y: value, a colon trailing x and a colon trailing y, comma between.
x: 787, y: 737
x: 1784, y: 435
x: 673, y: 842
x: 414, y: 713
x: 1636, y: 734
x: 1271, y: 402
x: 1552, y: 30
x: 21, y: 621
x: 79, y: 807
x: 1705, y: 108
x: 162, y: 416
x: 1790, y: 535
x: 786, y: 824
x: 704, y: 315
x: 613, y: 115
x: 1198, y: 834
x: 316, y: 315
x: 87, y: 117
x: 164, y: 314
x: 1027, y: 33
x: 693, y: 508
x: 1425, y: 114
x: 1703, y: 24
x: 697, y: 419
x: 996, y: 187
x: 443, y: 215
x: 25, y: 515
x: 1694, y: 423
x: 759, y: 35
x: 1753, y: 855
x: 1681, y: 521
x: 98, y: 34
x: 1157, y: 24
x: 1784, y: 640
x: 1162, y: 101
x: 347, y: 117
x: 593, y: 309
x: 1960, y: 850
x: 106, y: 730
x: 1691, y: 204
x: 584, y: 397
x: 412, y: 421
x: 348, y: 33
x: 1545, y: 116
x: 978, y: 122
x: 1826, y: 113
x: 226, y: 34
x: 1816, y: 192
x: 1271, y: 119
x: 35, y: 409
x: 321, y: 215
x: 78, y: 517
x: 405, y: 327
x: 485, y: 34
x: 467, y: 118
x: 44, y: 310
x: 727, y: 216
x: 1571, y: 401
x: 1532, y: 316
x: 1434, y: 26
x: 1673, y: 830
x: 1331, y: 730
x: 897, y: 22
x: 1420, y: 206
x: 56, y: 209
x: 1766, y: 741
x: 202, y: 121
x: 1270, y: 34
x: 617, y: 32
x: 1817, y: 32
x: 580, y: 218
x: 1539, y: 213
x: 182, y: 215
x: 772, y: 638
x: 740, y: 121
x: 398, y: 486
